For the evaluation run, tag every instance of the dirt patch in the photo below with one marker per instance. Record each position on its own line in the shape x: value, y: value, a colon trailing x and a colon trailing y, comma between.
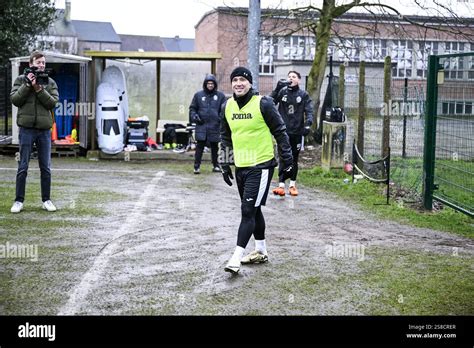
x: 161, y: 242
x: 310, y: 156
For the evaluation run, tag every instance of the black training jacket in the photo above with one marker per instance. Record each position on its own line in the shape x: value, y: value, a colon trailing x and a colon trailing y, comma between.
x: 294, y: 104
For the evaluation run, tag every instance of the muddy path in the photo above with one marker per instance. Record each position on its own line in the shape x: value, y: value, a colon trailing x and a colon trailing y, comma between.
x: 160, y: 246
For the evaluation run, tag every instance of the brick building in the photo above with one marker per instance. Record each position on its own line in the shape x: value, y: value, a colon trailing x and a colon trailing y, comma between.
x: 355, y: 37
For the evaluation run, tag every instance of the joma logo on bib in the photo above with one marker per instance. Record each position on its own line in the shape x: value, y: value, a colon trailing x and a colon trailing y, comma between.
x: 241, y: 116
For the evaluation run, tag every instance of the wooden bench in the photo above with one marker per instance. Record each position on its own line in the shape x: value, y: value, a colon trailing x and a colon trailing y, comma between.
x: 161, y: 127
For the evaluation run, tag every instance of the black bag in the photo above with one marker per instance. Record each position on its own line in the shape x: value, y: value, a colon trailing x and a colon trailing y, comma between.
x: 169, y: 135
x: 337, y: 115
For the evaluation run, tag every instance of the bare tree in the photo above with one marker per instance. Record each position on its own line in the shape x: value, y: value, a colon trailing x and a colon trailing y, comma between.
x: 320, y: 21
x: 324, y: 24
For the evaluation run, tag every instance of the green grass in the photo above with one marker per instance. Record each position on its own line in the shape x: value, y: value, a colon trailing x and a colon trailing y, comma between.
x: 29, y: 287
x: 73, y: 209
x: 454, y: 178
x: 417, y: 283
x: 385, y: 282
x: 370, y: 197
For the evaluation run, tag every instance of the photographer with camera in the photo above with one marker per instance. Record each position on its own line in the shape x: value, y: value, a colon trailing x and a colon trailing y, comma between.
x: 35, y: 94
x: 296, y: 109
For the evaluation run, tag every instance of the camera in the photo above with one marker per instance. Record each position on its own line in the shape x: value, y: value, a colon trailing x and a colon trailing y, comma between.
x: 284, y: 82
x: 41, y: 76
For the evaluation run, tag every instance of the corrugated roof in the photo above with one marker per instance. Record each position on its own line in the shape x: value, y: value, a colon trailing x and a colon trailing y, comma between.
x: 95, y: 31
x: 177, y: 44
x: 146, y: 43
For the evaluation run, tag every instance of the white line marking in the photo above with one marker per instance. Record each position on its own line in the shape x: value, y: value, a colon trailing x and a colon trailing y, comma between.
x: 92, y: 277
x: 87, y: 170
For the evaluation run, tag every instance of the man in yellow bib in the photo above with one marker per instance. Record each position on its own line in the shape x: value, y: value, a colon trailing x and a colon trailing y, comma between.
x: 247, y: 126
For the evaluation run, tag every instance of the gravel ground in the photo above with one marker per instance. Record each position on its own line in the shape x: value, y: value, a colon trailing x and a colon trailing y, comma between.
x: 158, y: 237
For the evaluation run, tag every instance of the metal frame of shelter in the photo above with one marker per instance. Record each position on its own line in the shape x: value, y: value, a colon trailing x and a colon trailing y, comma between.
x: 98, y: 65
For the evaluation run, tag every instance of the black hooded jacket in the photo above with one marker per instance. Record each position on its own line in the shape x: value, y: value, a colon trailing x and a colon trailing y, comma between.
x: 204, y: 111
x: 294, y: 104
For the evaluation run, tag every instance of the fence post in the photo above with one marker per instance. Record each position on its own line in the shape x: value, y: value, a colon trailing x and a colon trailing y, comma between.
x: 430, y: 132
x: 6, y: 100
x: 361, y: 120
x: 404, y: 135
x: 342, y: 90
x: 387, y: 82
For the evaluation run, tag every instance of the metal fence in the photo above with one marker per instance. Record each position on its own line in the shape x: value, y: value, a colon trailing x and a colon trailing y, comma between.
x: 406, y: 110
x: 449, y: 136
x: 431, y: 131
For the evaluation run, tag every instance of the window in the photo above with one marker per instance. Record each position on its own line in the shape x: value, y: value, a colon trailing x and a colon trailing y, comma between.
x: 369, y: 52
x: 451, y: 108
x: 455, y: 67
x: 298, y: 47
x: 421, y: 54
x: 470, y: 64
x: 445, y: 108
x: 267, y: 53
x: 61, y: 46
x: 295, y: 47
x: 468, y: 108
x: 286, y: 44
x: 402, y: 54
x: 350, y: 50
x: 457, y: 108
x: 425, y: 48
x: 375, y: 50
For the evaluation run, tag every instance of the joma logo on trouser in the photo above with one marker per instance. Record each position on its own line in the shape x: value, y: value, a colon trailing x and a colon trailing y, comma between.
x: 241, y: 116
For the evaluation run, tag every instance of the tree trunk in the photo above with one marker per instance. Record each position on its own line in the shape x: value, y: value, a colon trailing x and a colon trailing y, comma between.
x: 318, y: 68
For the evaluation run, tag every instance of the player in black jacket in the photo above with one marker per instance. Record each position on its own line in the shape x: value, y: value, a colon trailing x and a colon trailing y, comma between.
x: 204, y: 112
x: 296, y: 108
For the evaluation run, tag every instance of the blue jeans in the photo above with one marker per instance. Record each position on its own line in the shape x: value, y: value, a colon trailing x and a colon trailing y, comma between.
x: 42, y: 138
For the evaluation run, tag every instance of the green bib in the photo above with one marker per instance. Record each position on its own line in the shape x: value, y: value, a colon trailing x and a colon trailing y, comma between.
x: 251, y: 137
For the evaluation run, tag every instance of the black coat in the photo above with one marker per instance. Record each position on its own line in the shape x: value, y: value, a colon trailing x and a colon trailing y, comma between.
x: 204, y: 111
x: 294, y: 104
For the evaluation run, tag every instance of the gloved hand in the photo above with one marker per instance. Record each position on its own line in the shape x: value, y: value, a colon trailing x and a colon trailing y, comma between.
x: 198, y: 119
x: 307, y: 128
x: 285, y: 170
x: 227, y: 174
x: 281, y: 83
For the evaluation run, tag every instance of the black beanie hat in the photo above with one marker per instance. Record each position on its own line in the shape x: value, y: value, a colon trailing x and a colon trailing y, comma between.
x: 241, y: 71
